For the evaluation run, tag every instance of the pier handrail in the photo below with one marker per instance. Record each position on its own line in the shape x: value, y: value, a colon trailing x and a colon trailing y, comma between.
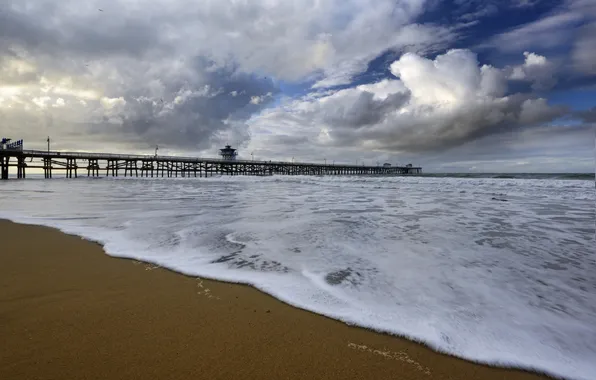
x: 92, y: 155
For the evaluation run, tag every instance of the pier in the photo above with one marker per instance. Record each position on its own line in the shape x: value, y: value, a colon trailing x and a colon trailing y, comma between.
x: 77, y: 164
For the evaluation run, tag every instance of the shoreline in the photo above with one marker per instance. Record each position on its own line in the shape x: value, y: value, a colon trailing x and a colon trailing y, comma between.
x: 84, y: 310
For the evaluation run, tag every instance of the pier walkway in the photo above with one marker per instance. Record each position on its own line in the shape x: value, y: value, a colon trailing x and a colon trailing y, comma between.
x: 75, y: 164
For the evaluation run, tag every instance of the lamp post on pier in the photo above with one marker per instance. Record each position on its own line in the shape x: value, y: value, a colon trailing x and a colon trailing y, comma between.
x: 48, y: 140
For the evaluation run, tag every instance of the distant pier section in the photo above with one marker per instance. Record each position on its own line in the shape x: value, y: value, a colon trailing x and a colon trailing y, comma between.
x: 76, y: 164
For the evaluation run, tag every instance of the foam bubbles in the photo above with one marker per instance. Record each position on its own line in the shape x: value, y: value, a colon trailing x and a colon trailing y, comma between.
x: 495, y: 270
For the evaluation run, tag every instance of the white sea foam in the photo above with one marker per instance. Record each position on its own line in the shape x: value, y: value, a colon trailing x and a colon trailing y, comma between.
x: 499, y: 271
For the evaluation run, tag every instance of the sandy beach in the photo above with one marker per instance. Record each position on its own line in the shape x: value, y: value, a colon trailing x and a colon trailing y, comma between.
x: 69, y: 311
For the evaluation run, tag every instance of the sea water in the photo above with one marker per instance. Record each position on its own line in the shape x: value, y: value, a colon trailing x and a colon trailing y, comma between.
x: 495, y: 270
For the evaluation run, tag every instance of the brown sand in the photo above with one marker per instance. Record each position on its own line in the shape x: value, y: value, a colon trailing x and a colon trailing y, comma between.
x: 69, y: 311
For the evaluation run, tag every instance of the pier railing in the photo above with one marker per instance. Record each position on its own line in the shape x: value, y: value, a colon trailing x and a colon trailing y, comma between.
x: 140, y: 157
x: 172, y: 166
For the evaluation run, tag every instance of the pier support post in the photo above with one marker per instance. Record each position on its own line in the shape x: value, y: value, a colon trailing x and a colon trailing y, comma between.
x: 47, y: 162
x: 93, y: 168
x: 19, y: 168
x: 4, y: 167
x: 110, y: 166
x: 71, y: 165
x: 130, y: 167
x: 146, y: 168
x: 21, y: 165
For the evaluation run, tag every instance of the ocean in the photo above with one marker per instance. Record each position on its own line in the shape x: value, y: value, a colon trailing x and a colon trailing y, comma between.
x: 491, y: 269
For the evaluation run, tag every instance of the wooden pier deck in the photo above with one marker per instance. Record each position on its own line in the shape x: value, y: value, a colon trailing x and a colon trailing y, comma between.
x: 75, y: 164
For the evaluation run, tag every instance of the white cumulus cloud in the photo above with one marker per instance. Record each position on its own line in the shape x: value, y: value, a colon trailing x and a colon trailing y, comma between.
x: 432, y: 105
x: 536, y: 69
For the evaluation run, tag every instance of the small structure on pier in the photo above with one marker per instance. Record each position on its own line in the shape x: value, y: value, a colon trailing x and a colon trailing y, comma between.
x: 6, y: 144
x: 386, y: 165
x: 228, y: 153
x: 10, y: 149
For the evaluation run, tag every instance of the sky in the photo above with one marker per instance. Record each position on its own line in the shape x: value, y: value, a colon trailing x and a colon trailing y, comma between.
x: 449, y: 85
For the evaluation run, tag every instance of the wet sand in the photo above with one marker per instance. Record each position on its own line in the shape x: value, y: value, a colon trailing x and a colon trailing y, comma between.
x: 69, y: 311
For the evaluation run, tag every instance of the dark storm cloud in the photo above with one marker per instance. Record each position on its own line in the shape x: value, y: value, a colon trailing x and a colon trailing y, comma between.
x: 181, y: 102
x: 439, y: 132
x: 18, y: 28
x: 191, y: 114
x: 47, y: 28
x: 589, y: 116
x: 584, y: 49
x: 363, y: 110
x: 288, y: 140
